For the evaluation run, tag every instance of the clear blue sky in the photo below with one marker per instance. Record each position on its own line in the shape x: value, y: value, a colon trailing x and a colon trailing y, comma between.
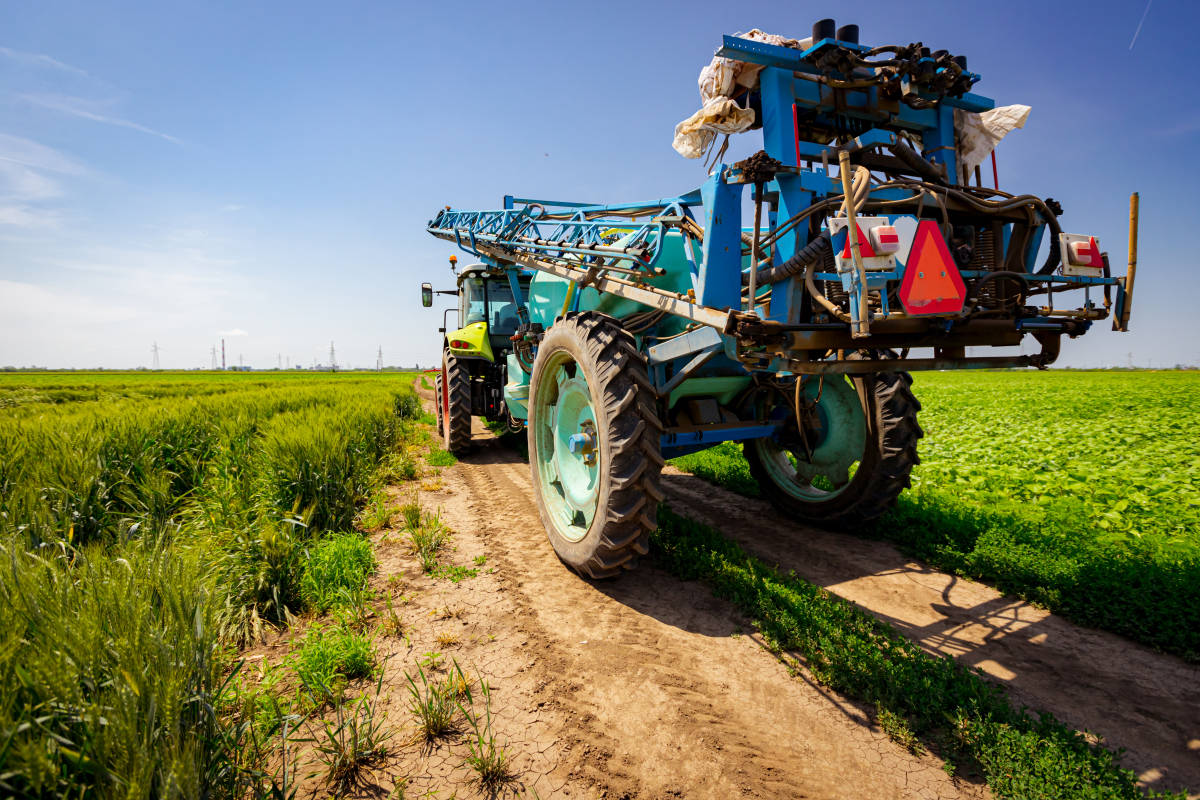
x: 172, y: 171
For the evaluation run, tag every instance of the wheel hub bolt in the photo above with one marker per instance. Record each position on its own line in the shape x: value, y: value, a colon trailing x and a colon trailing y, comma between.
x: 584, y: 444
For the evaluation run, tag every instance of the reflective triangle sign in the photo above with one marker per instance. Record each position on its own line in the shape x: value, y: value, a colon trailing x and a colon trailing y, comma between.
x: 864, y: 244
x: 932, y: 283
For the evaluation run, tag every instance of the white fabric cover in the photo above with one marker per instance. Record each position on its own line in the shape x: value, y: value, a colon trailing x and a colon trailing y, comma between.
x: 719, y: 82
x: 978, y: 134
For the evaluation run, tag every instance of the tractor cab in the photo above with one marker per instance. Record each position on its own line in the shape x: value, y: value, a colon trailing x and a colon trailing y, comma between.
x: 487, y: 312
x: 475, y: 355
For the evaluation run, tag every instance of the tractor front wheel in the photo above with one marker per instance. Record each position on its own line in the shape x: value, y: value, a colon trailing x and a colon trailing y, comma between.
x: 594, y: 449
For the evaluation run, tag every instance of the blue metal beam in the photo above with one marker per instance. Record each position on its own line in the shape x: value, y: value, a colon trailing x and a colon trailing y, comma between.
x: 719, y: 284
x: 715, y: 434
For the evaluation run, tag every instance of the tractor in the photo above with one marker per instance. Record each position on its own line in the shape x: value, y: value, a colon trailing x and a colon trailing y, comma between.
x: 475, y: 356
x: 623, y: 334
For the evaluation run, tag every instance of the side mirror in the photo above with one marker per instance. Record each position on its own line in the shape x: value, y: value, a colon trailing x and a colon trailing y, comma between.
x: 427, y: 294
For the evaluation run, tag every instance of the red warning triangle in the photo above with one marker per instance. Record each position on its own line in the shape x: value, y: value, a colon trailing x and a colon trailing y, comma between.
x: 864, y: 244
x: 1089, y: 254
x: 932, y: 284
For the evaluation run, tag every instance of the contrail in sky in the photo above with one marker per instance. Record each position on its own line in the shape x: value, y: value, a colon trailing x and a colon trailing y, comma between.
x: 1140, y: 24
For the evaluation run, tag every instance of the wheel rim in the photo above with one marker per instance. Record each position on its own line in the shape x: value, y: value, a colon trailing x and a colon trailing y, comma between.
x: 568, y: 448
x: 445, y: 390
x: 836, y: 441
x: 437, y: 396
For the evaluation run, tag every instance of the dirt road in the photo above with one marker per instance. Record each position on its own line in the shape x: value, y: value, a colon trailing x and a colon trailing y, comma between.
x: 659, y: 696
x: 649, y: 687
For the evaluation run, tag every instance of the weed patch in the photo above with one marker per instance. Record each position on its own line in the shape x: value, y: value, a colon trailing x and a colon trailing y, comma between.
x: 375, y: 513
x: 353, y: 740
x: 434, y: 702
x: 400, y: 467
x: 453, y: 572
x: 438, y: 457
x: 329, y: 657
x: 428, y: 539
x: 336, y: 571
x: 487, y: 757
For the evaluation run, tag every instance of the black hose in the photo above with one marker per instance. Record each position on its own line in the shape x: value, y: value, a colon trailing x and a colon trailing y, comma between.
x: 977, y: 287
x: 916, y: 163
x: 811, y: 254
x: 1053, y: 257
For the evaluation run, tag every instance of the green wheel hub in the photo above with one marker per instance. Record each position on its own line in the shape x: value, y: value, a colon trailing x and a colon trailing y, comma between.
x: 815, y: 463
x: 568, y: 449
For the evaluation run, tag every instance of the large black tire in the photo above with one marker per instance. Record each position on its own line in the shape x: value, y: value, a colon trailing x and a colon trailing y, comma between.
x: 627, y: 429
x: 456, y: 405
x: 889, y: 455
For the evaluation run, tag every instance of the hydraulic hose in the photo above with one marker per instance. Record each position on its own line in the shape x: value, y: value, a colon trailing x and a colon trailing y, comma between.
x: 1053, y: 258
x: 812, y: 253
x: 824, y: 301
x: 919, y: 165
x: 977, y: 287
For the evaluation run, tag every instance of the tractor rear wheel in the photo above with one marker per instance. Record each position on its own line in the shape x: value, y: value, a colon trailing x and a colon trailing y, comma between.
x: 455, y: 405
x: 850, y: 456
x: 594, y: 449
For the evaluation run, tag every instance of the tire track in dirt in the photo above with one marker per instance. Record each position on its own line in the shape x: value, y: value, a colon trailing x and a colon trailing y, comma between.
x: 660, y: 698
x: 1131, y: 696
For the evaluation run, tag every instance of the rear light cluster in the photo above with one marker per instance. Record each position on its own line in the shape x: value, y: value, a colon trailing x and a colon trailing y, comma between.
x: 884, y: 239
x: 1081, y: 255
x: 459, y: 344
x: 878, y: 243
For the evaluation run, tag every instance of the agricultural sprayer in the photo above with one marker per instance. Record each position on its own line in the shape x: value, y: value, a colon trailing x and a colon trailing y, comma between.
x: 620, y: 335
